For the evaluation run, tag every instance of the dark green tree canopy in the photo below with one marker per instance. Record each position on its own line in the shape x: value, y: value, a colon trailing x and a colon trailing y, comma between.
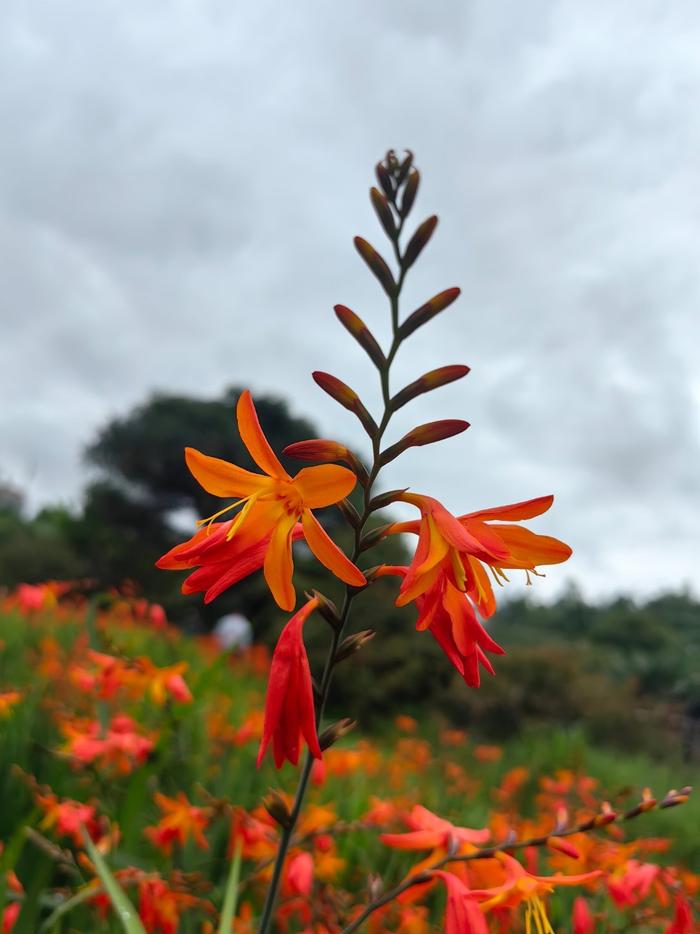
x: 143, y: 452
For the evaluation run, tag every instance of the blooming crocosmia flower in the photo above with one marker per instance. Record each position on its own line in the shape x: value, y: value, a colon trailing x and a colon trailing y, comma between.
x: 520, y: 886
x: 430, y: 832
x: 262, y: 532
x: 289, y: 704
x: 180, y: 821
x: 459, y: 547
x: 449, y: 616
x: 68, y: 818
x: 462, y: 914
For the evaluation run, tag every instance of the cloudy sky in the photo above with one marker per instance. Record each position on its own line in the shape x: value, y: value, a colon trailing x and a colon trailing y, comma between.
x: 179, y: 187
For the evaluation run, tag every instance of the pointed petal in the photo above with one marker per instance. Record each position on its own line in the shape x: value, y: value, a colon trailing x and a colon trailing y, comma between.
x: 252, y: 436
x: 528, y: 550
x: 279, y: 566
x: 220, y: 478
x: 513, y: 512
x: 324, y: 485
x: 328, y: 552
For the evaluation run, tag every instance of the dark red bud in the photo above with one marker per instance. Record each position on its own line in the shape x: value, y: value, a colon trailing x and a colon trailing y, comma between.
x: 425, y: 434
x: 362, y: 334
x: 418, y: 241
x: 383, y: 212
x: 347, y: 397
x: 384, y: 179
x: 431, y: 308
x: 409, y: 192
x: 429, y: 381
x: 377, y: 264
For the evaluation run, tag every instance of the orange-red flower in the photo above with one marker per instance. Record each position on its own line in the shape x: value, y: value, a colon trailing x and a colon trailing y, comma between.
x: 289, y: 705
x: 262, y: 532
x: 457, y: 548
x: 449, y: 616
x: 180, y: 821
x: 462, y: 914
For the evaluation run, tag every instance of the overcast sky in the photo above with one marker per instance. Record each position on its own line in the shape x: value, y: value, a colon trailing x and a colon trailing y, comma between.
x: 179, y: 187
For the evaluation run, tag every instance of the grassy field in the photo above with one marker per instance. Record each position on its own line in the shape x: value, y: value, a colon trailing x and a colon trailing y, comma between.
x: 117, y: 731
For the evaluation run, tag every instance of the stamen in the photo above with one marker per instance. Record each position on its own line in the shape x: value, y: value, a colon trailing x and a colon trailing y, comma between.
x: 240, y: 518
x: 216, y: 515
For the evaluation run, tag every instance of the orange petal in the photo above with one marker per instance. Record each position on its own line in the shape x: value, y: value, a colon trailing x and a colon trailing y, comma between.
x: 324, y: 485
x: 328, y: 552
x: 221, y: 478
x: 279, y: 566
x: 252, y: 436
x: 528, y: 509
x: 527, y: 550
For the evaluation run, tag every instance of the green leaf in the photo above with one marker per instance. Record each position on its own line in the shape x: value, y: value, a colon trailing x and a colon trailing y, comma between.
x: 124, y: 910
x: 231, y: 895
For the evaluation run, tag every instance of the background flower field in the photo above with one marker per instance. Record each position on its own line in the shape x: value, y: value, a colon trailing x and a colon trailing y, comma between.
x: 165, y: 729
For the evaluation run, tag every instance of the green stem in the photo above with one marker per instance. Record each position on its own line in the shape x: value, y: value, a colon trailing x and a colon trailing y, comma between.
x: 350, y: 594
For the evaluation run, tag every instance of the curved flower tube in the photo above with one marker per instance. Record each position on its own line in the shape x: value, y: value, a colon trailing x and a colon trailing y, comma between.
x: 289, y: 704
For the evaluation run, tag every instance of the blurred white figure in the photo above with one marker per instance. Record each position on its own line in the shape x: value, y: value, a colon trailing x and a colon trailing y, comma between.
x: 233, y: 631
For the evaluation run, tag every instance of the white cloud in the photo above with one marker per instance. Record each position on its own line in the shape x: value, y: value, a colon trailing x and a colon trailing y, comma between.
x: 178, y: 192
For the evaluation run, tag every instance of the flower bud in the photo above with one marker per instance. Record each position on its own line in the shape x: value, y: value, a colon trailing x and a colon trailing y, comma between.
x: 347, y: 397
x: 326, y: 608
x: 373, y: 537
x: 431, y: 308
x: 409, y: 192
x: 377, y: 264
x: 418, y: 242
x: 324, y: 451
x: 405, y: 166
x: 424, y: 434
x: 276, y: 807
x: 563, y: 846
x: 353, y: 644
x: 429, y: 381
x: 351, y: 515
x: 384, y: 179
x: 385, y: 499
x: 362, y: 334
x: 375, y: 887
x: 383, y: 212
x: 335, y: 732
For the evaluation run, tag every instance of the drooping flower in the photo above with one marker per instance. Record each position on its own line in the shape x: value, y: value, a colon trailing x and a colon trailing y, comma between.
x: 462, y: 913
x: 289, y: 704
x: 261, y: 534
x: 458, y: 547
x: 450, y: 618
